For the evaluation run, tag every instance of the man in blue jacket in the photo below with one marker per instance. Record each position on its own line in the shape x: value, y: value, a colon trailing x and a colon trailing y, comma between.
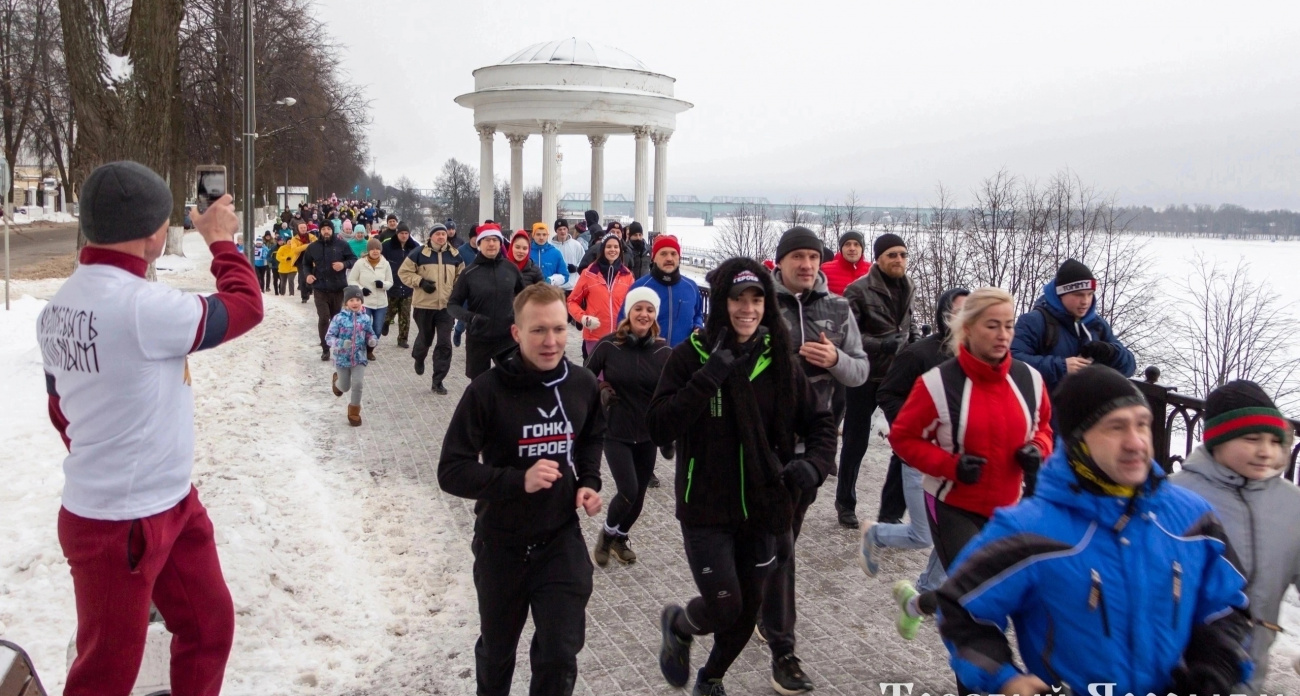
x: 547, y: 257
x: 1063, y: 334
x: 1111, y: 575
x: 681, y: 308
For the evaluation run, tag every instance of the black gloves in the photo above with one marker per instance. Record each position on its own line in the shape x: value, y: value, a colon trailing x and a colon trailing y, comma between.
x: 428, y: 286
x: 1099, y: 351
x: 720, y: 363
x: 889, y: 346
x: 379, y: 284
x: 1029, y: 459
x: 365, y: 292
x: 969, y: 468
x: 801, y: 474
x: 607, y: 395
x: 573, y: 268
x: 1212, y: 662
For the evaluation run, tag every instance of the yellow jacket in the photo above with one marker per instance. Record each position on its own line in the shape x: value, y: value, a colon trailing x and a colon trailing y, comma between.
x: 289, y: 252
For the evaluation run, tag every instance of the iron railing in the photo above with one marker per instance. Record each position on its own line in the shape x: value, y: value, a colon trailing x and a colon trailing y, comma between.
x: 1181, y: 415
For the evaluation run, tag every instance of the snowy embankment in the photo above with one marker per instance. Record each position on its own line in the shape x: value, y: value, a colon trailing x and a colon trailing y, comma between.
x: 328, y: 565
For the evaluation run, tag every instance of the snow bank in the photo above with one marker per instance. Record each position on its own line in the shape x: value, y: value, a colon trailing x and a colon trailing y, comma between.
x: 174, y: 264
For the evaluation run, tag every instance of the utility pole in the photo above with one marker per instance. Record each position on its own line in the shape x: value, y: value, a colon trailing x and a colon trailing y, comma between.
x: 250, y: 129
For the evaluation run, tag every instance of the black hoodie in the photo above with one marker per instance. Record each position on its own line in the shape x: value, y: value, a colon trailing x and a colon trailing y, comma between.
x: 513, y: 416
x: 917, y: 358
x: 484, y: 297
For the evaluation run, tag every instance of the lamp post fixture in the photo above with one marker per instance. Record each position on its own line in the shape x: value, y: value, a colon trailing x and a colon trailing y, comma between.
x: 287, y: 101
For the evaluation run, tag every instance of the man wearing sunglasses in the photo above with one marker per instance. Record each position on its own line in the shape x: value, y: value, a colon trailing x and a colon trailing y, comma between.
x: 882, y: 305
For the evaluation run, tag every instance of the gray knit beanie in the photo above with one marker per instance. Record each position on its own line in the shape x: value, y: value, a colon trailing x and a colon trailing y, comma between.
x: 123, y: 201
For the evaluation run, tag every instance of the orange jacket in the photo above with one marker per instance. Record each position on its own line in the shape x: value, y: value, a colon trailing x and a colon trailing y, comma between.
x: 596, y: 296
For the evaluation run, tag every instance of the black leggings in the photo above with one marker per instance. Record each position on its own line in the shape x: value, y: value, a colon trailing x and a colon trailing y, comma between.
x: 729, y: 563
x: 631, y: 465
x: 951, y: 528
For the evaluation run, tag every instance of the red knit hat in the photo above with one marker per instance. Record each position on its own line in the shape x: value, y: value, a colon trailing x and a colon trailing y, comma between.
x: 665, y: 241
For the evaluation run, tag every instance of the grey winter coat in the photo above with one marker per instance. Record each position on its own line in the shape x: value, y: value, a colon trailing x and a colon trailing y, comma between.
x: 819, y: 311
x: 874, y: 308
x: 1261, y: 519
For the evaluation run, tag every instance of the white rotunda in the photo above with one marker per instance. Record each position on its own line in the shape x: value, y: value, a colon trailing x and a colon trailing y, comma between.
x: 574, y: 87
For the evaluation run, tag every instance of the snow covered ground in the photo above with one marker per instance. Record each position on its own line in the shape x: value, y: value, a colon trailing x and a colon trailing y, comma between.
x: 330, y: 565
x: 317, y: 552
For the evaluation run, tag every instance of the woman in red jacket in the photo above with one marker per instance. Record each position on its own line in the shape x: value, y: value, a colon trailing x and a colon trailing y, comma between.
x: 978, y: 426
x: 599, y: 293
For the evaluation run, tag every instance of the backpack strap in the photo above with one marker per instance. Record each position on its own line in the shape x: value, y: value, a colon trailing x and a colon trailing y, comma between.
x: 949, y: 389
x: 1051, y: 331
x: 1029, y: 388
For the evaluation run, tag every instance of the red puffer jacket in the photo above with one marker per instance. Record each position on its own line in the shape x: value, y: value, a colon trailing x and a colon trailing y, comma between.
x: 993, y: 421
x: 839, y: 273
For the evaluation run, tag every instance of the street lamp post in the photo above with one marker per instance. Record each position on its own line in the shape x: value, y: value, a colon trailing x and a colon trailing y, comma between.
x: 250, y: 129
x: 287, y: 101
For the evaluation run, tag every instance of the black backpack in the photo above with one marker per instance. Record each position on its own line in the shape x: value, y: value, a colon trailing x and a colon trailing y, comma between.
x: 954, y: 385
x: 1051, y: 332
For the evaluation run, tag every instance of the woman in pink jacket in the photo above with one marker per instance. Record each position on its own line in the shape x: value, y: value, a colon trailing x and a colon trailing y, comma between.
x: 599, y: 293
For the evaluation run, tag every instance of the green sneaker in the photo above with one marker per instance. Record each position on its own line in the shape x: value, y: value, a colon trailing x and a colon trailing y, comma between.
x: 907, y: 624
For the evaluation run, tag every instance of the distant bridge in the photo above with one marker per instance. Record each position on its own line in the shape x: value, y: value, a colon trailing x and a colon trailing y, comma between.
x: 724, y: 206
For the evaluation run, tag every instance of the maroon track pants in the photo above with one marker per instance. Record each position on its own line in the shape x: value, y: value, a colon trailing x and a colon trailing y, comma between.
x: 118, y: 568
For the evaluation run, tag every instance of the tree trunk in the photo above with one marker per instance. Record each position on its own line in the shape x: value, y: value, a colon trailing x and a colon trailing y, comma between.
x: 122, y: 118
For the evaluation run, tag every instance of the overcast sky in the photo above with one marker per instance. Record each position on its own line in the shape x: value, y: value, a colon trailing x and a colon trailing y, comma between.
x: 1159, y: 102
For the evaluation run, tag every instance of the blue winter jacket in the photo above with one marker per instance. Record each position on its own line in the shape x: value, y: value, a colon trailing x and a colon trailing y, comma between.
x: 681, y: 308
x: 1092, y: 604
x: 355, y: 327
x: 550, y: 261
x: 1070, y: 336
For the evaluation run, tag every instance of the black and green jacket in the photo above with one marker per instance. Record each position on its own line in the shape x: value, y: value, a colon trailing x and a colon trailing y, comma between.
x: 717, y: 482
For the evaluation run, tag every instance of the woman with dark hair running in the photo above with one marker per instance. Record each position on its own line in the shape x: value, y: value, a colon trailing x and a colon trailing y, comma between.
x: 734, y: 400
x: 628, y: 363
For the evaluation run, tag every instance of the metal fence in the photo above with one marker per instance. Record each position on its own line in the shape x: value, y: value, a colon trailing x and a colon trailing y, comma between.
x: 1181, y: 417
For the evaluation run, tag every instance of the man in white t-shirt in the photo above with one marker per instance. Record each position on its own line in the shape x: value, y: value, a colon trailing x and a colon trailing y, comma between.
x: 114, y: 347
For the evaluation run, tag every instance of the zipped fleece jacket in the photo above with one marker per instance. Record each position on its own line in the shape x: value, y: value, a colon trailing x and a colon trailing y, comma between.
x: 632, y: 369
x: 715, y: 480
x: 873, y: 305
x: 1100, y: 589
x: 484, y: 297
x: 601, y: 297
x: 1262, y: 520
x: 994, y: 422
x: 508, y: 419
x: 681, y: 307
x: 1070, y: 337
x: 810, y: 314
x: 442, y: 265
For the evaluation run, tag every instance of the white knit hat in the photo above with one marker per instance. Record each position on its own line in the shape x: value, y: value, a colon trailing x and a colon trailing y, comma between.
x: 641, y: 294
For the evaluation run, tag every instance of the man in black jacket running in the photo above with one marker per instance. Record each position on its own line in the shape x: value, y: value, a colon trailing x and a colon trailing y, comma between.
x: 483, y: 298
x: 536, y: 423
x: 327, y: 261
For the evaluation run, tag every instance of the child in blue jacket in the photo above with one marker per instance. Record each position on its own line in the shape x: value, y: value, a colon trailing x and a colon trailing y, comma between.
x: 349, y: 334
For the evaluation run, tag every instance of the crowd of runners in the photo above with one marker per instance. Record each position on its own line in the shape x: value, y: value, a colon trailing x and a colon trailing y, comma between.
x: 1022, y: 452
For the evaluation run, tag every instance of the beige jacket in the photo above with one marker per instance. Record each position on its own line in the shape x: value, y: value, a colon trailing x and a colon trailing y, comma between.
x: 441, y: 265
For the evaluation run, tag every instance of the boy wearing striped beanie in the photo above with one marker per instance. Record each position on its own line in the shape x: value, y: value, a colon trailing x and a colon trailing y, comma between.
x: 1247, y: 446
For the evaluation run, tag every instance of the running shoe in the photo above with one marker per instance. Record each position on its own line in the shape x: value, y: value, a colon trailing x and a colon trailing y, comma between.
x: 675, y: 652
x: 788, y: 677
x: 907, y: 624
x: 711, y: 687
x: 869, y: 551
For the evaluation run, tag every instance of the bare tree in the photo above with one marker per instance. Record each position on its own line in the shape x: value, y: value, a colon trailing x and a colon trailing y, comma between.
x: 532, y: 207
x: 748, y: 231
x: 456, y: 190
x: 939, y: 260
x: 409, y: 205
x: 1231, y: 326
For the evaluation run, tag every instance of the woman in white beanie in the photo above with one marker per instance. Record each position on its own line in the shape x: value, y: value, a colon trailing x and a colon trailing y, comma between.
x: 628, y: 363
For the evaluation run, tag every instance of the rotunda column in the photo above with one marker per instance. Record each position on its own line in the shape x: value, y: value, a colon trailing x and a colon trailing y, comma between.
x: 550, y: 197
x: 641, y: 208
x: 661, y: 180
x: 486, y: 184
x: 516, y: 179
x: 598, y: 172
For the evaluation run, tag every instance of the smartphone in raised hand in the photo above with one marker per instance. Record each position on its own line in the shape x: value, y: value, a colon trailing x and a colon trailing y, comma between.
x: 211, y: 185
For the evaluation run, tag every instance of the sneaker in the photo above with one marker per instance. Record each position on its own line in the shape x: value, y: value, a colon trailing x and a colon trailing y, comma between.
x: 869, y: 551
x: 621, y: 552
x: 600, y: 553
x: 759, y: 633
x: 334, y: 385
x: 324, y: 354
x: 653, y: 482
x: 419, y: 367
x: 712, y: 687
x: 455, y: 338
x: 907, y: 624
x: 675, y: 652
x: 847, y: 517
x: 788, y: 678
x: 669, y: 450
x: 439, y: 389
x: 401, y: 343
